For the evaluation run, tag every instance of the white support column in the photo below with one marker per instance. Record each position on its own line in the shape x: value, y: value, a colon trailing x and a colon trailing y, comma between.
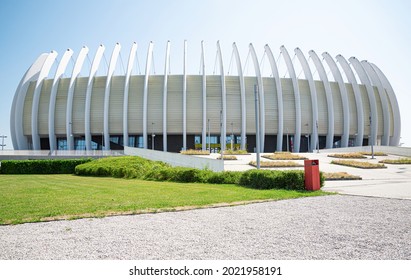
x: 329, y: 96
x: 385, y: 140
x: 280, y: 105
x: 291, y: 71
x: 313, y: 92
x: 395, y: 139
x: 111, y: 68
x: 70, y: 96
x: 357, y: 95
x: 166, y: 70
x: 16, y: 116
x: 53, y: 95
x: 145, y: 93
x: 243, y: 101
x: 204, y: 96
x: 344, y: 97
x: 44, y: 72
x: 130, y: 64
x: 185, y: 97
x: 261, y: 96
x: 87, y: 117
x: 371, y: 97
x: 223, y: 99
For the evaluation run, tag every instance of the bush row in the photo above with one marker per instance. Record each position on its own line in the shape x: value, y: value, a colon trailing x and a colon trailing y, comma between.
x: 139, y: 168
x: 41, y: 166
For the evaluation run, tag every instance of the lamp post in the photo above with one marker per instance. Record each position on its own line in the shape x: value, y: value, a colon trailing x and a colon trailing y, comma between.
x: 2, y: 141
x: 152, y: 136
x: 318, y: 138
x: 257, y: 126
x: 232, y: 136
x: 371, y: 139
x: 209, y: 138
x: 288, y: 148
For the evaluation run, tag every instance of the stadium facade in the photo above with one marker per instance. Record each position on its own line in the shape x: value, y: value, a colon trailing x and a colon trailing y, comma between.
x: 177, y: 112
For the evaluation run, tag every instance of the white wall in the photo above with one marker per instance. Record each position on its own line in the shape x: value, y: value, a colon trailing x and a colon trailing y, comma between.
x: 176, y: 159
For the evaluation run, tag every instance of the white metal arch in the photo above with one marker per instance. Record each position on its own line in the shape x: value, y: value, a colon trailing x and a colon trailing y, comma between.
x: 357, y: 95
x: 87, y: 117
x: 44, y: 72
x: 280, y: 105
x: 145, y: 93
x: 111, y: 68
x: 371, y: 97
x: 130, y: 64
x: 185, y: 97
x: 328, y: 94
x: 313, y: 92
x: 16, y: 120
x: 53, y: 95
x: 204, y: 97
x: 344, y: 97
x: 261, y: 96
x: 291, y: 71
x: 385, y: 139
x: 223, y: 99
x: 166, y: 69
x: 70, y: 95
x: 242, y: 95
x: 395, y: 139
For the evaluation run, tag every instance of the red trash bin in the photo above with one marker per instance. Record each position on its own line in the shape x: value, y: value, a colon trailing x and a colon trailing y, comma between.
x: 312, y: 175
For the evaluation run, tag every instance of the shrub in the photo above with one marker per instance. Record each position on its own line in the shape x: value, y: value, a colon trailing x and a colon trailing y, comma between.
x: 41, y: 166
x: 266, y: 179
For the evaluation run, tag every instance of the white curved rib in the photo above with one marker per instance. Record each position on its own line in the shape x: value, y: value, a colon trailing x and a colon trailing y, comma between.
x: 185, y: 97
x: 395, y: 139
x: 371, y: 97
x: 261, y: 96
x: 111, y: 68
x: 53, y: 95
x: 313, y: 92
x: 130, y: 64
x: 70, y: 96
x: 93, y: 71
x: 44, y: 72
x: 242, y: 94
x: 204, y: 96
x: 291, y: 71
x: 344, y: 97
x: 280, y: 105
x: 145, y: 93
x: 357, y: 95
x: 385, y: 139
x: 328, y: 94
x: 166, y: 67
x: 223, y: 99
x: 16, y: 120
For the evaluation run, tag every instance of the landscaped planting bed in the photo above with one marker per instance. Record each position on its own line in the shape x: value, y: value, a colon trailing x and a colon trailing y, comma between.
x: 359, y: 164
x: 334, y: 176
x: 276, y: 164
x: 283, y: 156
x: 396, y: 161
x: 348, y: 155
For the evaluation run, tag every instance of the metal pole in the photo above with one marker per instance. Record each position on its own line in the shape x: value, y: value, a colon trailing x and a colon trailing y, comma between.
x: 318, y: 139
x: 288, y: 148
x: 372, y: 140
x: 209, y: 138
x: 221, y: 140
x: 2, y: 141
x: 152, y: 136
x: 257, y: 126
x: 232, y: 136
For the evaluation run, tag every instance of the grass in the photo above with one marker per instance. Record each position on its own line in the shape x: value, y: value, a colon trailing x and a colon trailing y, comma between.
x: 340, y: 176
x: 275, y: 164
x: 396, y: 161
x: 235, y: 152
x: 379, y: 154
x: 228, y: 157
x: 34, y: 198
x: 283, y: 156
x: 348, y: 155
x: 359, y: 164
x: 195, y: 152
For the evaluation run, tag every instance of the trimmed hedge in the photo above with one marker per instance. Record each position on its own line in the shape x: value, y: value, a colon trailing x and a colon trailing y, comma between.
x: 41, y: 166
x: 139, y: 168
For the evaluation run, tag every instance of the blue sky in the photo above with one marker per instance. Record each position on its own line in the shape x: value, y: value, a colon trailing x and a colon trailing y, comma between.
x: 377, y: 31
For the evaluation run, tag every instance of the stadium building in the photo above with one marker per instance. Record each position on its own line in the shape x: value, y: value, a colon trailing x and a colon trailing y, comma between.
x: 351, y: 105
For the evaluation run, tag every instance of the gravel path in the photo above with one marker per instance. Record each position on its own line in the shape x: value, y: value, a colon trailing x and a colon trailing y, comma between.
x: 328, y: 227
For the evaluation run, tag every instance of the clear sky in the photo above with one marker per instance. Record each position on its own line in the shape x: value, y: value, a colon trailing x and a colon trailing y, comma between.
x: 377, y: 31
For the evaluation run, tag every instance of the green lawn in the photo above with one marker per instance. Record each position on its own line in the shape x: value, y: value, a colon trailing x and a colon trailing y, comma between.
x: 32, y: 198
